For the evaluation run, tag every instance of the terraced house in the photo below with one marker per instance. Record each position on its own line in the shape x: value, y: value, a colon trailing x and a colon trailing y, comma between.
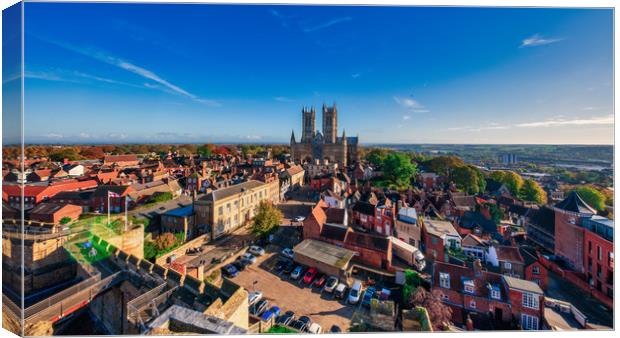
x: 226, y: 209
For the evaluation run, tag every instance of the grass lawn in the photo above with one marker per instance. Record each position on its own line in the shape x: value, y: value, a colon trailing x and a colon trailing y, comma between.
x: 280, y: 329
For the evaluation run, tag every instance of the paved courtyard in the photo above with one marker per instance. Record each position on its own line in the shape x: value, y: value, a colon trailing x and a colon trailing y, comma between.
x: 293, y: 295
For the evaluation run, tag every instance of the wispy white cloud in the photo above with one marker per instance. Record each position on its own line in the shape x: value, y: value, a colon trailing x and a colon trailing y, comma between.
x: 283, y: 99
x: 596, y: 120
x: 406, y: 117
x: 484, y: 127
x: 327, y: 24
x: 411, y: 104
x: 538, y: 40
x: 356, y: 75
x: 102, y: 56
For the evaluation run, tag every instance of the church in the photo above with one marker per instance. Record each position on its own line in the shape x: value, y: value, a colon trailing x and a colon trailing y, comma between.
x: 316, y: 146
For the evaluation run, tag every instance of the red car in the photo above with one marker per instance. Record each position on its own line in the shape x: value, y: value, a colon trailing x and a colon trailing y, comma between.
x: 309, y: 276
x: 320, y: 281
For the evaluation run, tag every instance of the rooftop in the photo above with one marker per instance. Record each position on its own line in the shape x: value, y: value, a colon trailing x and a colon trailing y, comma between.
x: 440, y: 228
x: 324, y: 252
x: 232, y: 190
x: 522, y: 284
x: 575, y: 203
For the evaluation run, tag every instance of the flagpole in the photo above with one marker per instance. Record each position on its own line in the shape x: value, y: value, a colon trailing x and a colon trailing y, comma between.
x: 108, y: 208
x: 126, y: 200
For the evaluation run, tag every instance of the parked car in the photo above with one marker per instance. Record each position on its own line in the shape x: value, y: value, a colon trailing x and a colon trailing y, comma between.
x: 315, y: 328
x: 274, y: 311
x: 355, y: 292
x: 335, y: 329
x: 330, y: 284
x: 368, y: 295
x: 288, y: 253
x: 297, y: 272
x: 259, y: 307
x: 241, y: 261
x: 239, y: 265
x: 298, y: 325
x: 254, y: 297
x: 320, y: 281
x: 341, y: 291
x: 256, y: 250
x: 230, y: 270
x: 281, y: 264
x: 299, y: 218
x: 306, y: 320
x: 248, y: 257
x: 286, y: 318
x: 288, y: 268
x: 310, y: 275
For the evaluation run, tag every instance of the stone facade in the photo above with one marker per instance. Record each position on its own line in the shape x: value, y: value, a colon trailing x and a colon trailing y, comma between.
x: 314, y: 145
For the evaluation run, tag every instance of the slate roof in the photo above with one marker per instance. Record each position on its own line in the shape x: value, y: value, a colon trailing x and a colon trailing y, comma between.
x: 575, y: 203
x: 334, y: 232
x: 368, y: 241
x: 508, y: 254
x: 364, y: 208
x: 232, y: 190
x: 472, y: 219
x: 543, y: 218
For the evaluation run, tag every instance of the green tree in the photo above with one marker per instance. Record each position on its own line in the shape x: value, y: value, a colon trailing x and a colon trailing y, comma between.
x: 376, y: 156
x: 510, y: 179
x: 205, y: 150
x: 443, y: 165
x: 160, y: 197
x: 398, y: 168
x: 468, y: 178
x: 165, y: 241
x: 592, y: 196
x: 531, y: 191
x: 267, y: 219
x: 65, y: 220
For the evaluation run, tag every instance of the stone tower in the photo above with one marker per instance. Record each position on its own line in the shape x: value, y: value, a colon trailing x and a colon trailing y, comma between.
x: 308, y: 124
x: 330, y: 124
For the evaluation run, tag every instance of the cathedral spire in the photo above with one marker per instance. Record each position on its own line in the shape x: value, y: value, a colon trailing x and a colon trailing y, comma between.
x: 292, y: 136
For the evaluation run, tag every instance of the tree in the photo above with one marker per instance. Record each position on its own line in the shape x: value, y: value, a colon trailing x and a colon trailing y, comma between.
x: 592, y: 196
x: 398, y: 168
x: 531, y: 191
x: 510, y: 179
x: 165, y: 241
x: 443, y: 165
x: 65, y: 220
x: 267, y: 219
x: 205, y: 150
x: 431, y: 301
x: 376, y: 156
x: 468, y: 178
x: 161, y: 196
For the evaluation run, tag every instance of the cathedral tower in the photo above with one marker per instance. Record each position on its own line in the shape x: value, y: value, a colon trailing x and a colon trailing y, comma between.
x: 308, y: 124
x: 330, y: 123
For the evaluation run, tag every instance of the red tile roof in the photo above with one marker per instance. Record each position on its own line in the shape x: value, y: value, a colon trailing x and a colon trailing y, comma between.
x: 509, y: 254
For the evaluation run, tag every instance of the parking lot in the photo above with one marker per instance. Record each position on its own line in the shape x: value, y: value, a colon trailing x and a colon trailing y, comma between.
x: 292, y: 295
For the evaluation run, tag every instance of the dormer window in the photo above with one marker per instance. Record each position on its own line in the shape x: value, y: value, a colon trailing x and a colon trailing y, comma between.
x: 468, y: 286
x: 536, y: 270
x: 495, y: 294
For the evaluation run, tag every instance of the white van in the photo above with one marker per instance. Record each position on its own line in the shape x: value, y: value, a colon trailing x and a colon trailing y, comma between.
x: 355, y: 292
x: 315, y: 328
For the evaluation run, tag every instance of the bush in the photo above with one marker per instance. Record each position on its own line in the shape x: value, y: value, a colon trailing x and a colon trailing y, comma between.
x: 65, y: 220
x: 160, y: 197
x: 165, y: 241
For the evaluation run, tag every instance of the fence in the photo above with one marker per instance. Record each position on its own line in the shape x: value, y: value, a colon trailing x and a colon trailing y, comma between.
x: 69, y: 300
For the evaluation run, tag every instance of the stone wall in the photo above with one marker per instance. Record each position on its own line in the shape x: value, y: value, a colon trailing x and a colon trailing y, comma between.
x: 131, y: 241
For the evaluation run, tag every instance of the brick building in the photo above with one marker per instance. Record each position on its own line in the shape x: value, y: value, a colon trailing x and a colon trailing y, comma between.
x: 437, y: 237
x: 55, y: 213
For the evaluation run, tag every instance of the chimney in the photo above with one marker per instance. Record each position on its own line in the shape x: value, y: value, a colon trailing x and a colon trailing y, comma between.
x: 477, y: 267
x: 65, y: 161
x: 469, y: 324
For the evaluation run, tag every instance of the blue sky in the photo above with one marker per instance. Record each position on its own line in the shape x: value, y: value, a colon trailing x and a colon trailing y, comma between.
x: 205, y: 73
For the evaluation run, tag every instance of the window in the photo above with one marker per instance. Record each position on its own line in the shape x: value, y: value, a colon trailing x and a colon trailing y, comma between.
x: 507, y: 266
x: 589, y: 247
x: 468, y: 286
x: 530, y: 300
x: 529, y: 322
x: 444, y: 280
x: 220, y: 210
x: 599, y: 253
x: 536, y: 270
x: 495, y: 294
x: 434, y: 240
x: 536, y: 280
x: 472, y: 304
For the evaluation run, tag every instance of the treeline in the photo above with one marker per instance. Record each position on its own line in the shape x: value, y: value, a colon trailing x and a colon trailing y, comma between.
x: 85, y: 152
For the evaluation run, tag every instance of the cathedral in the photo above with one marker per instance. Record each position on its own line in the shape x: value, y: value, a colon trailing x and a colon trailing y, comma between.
x: 316, y: 146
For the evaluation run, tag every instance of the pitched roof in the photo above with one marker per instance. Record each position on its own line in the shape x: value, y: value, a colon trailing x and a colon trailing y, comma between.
x: 522, y: 285
x: 294, y: 170
x: 508, y: 254
x: 575, y: 203
x: 49, y: 208
x: 364, y: 208
x: 472, y: 240
x: 232, y: 190
x: 324, y: 252
x: 368, y: 241
x: 335, y: 215
x: 459, y: 274
x: 440, y: 228
x: 120, y: 158
x: 334, y: 232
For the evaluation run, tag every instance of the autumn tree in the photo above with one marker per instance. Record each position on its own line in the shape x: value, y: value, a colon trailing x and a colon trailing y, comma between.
x: 165, y: 241
x: 531, y: 191
x: 438, y: 313
x: 266, y: 219
x: 592, y: 196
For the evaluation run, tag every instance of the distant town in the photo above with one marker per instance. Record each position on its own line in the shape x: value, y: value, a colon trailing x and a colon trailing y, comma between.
x: 323, y: 234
